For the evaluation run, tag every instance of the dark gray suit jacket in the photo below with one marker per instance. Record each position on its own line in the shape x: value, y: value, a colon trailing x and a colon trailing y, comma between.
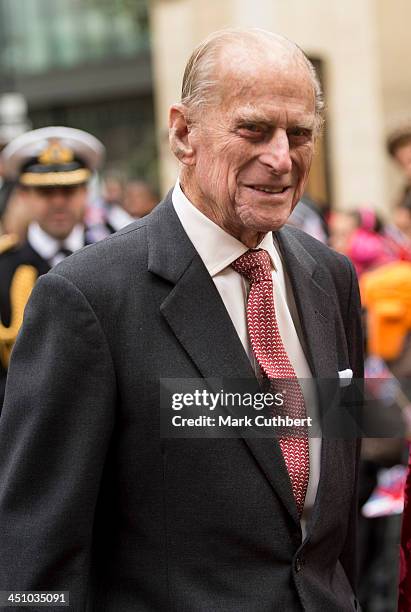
x: 93, y: 501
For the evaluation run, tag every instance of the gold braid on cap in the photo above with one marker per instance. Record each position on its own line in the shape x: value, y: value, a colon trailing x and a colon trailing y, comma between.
x: 21, y: 287
x: 55, y: 179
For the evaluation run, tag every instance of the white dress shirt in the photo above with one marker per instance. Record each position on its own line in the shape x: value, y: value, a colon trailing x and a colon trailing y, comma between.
x: 48, y: 247
x: 218, y: 250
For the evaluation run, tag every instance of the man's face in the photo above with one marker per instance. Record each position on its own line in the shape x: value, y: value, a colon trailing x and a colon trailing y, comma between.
x: 402, y: 219
x: 57, y: 209
x: 342, y: 228
x: 253, y: 149
x: 113, y: 191
x: 403, y: 157
x: 138, y: 200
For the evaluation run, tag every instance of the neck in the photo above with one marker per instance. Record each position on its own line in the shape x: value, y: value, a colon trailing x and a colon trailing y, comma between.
x: 249, y: 237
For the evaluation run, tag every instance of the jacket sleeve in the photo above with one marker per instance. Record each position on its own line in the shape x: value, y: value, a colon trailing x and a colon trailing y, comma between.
x: 55, y: 429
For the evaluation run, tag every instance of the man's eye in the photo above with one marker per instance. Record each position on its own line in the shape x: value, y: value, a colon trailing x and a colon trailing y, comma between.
x: 300, y: 133
x: 252, y: 128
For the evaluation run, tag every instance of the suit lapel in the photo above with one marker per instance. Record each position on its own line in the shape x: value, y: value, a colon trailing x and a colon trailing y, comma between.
x: 213, y: 344
x: 193, y: 308
x: 316, y: 308
x: 317, y: 311
x: 198, y: 318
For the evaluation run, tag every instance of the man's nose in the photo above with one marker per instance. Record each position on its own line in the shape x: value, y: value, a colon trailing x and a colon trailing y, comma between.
x: 277, y: 153
x: 57, y: 199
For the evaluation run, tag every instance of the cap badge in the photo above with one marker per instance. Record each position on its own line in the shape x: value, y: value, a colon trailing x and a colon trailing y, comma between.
x: 55, y: 153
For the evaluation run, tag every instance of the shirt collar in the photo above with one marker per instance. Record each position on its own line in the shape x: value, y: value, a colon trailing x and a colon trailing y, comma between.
x: 47, y: 247
x: 215, y: 246
x: 118, y: 217
x: 75, y: 240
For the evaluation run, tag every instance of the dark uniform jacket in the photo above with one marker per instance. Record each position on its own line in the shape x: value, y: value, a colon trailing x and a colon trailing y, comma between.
x: 10, y: 261
x: 94, y: 501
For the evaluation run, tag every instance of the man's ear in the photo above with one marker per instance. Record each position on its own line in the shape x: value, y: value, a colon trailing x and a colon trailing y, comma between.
x: 179, y: 134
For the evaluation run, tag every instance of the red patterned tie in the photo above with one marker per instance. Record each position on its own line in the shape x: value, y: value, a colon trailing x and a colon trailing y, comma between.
x: 270, y: 353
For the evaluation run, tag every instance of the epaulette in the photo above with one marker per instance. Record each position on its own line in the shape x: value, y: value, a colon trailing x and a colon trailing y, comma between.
x: 7, y: 242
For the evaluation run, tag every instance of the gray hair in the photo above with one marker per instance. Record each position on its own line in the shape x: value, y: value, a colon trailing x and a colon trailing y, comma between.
x: 198, y: 85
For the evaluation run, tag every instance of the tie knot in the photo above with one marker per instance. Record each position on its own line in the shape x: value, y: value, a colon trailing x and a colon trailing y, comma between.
x: 254, y: 265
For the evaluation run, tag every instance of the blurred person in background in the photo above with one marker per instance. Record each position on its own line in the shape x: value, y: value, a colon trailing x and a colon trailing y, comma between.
x: 399, y: 230
x: 122, y: 202
x: 385, y: 283
x: 386, y: 298
x: 115, y: 216
x: 113, y: 188
x: 359, y: 235
x: 399, y: 148
x: 52, y: 167
x: 15, y: 215
x: 308, y: 216
x: 342, y: 226
x: 139, y: 198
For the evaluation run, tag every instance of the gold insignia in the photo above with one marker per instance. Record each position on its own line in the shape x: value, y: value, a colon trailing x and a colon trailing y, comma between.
x: 55, y: 153
x: 55, y: 179
x: 7, y: 242
x: 22, y: 284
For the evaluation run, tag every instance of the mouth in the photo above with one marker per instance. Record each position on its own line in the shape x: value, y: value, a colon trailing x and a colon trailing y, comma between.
x: 270, y: 190
x: 58, y: 218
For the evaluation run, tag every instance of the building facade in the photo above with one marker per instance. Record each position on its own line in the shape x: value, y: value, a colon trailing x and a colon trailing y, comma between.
x: 113, y: 67
x: 85, y: 64
x: 362, y: 49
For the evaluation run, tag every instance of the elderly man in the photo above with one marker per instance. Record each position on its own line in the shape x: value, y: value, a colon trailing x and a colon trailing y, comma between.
x: 51, y: 167
x: 92, y: 499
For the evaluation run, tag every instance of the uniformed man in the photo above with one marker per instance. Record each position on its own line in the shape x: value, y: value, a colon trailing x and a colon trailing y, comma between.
x: 52, y: 167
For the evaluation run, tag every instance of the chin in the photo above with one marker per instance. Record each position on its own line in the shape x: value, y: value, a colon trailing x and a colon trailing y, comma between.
x: 59, y: 233
x: 264, y: 223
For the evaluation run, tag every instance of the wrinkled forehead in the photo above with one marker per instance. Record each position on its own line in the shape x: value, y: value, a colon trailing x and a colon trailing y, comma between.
x: 275, y: 70
x: 260, y: 51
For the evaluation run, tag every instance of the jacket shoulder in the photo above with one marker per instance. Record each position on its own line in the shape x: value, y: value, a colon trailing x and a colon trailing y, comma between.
x: 112, y: 258
x: 321, y: 253
x: 332, y: 270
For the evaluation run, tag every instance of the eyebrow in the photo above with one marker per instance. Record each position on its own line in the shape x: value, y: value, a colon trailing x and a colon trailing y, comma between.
x: 251, y: 115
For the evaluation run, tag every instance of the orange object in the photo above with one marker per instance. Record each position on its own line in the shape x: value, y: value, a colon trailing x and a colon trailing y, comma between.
x: 386, y: 294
